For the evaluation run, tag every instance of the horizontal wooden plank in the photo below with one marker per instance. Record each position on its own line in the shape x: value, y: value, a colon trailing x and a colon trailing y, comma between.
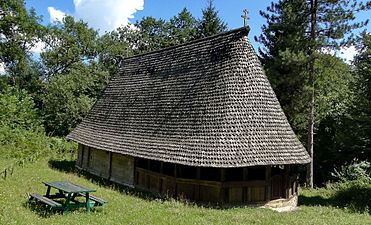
x: 45, y: 200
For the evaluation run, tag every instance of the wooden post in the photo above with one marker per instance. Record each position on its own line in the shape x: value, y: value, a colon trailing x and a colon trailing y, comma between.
x: 176, y: 186
x: 197, y: 187
x: 110, y: 166
x: 245, y: 173
x: 286, y: 181
x: 89, y: 155
x: 222, y: 190
x: 268, y: 183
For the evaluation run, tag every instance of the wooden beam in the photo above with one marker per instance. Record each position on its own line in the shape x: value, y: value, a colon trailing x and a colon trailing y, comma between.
x: 268, y: 187
x: 110, y: 166
x: 245, y: 173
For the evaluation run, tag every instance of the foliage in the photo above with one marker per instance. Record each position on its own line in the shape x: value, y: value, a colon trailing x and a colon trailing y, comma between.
x: 182, y: 27
x: 70, y: 97
x: 21, y: 144
x: 115, y: 45
x: 284, y: 57
x: 294, y: 39
x: 210, y: 23
x: 68, y: 44
x: 17, y: 110
x: 19, y: 32
x: 362, y: 108
x: 357, y: 170
x: 354, y: 194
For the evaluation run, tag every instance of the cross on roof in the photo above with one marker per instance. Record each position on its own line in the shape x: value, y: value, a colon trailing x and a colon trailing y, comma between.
x: 245, y: 17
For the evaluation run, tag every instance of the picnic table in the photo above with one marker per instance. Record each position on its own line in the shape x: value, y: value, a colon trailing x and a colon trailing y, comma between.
x: 67, y: 196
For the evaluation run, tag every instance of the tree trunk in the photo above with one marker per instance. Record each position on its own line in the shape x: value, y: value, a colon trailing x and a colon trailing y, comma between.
x: 313, y: 24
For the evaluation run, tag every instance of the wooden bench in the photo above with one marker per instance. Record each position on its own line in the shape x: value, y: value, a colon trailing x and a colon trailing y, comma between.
x: 48, y: 202
x: 98, y: 201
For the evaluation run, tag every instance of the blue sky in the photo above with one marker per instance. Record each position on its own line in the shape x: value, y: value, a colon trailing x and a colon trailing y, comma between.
x: 107, y: 15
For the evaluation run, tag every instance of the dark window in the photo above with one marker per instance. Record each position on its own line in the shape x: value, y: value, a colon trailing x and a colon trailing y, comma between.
x: 187, y: 172
x: 168, y: 169
x: 155, y: 166
x: 257, y: 173
x: 234, y: 174
x: 277, y: 170
x: 142, y: 163
x: 210, y: 174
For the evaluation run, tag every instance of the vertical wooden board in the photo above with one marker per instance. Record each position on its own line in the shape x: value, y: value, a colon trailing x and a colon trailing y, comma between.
x: 79, y: 155
x: 209, y: 194
x: 141, y: 180
x: 235, y: 195
x: 122, y: 170
x: 85, y: 157
x: 154, y: 183
x: 276, y: 187
x: 168, y: 186
x: 185, y: 190
x: 257, y: 194
x: 99, y: 162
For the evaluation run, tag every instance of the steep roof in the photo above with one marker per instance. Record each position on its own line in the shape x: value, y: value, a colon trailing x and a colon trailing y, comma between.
x: 204, y: 103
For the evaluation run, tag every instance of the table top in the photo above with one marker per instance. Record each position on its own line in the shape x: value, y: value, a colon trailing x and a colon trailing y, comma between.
x: 68, y: 187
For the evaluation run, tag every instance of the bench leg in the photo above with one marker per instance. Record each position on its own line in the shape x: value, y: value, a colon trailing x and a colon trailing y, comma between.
x: 48, y: 192
x: 87, y: 202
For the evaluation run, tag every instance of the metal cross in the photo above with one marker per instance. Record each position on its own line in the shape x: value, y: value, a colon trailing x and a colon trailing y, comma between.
x: 245, y: 17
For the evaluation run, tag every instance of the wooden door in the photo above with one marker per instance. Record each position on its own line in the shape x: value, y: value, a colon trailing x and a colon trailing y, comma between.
x: 277, y: 187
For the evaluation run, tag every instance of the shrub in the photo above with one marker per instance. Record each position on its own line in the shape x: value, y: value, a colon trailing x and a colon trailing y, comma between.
x: 359, y: 171
x: 17, y: 110
x: 353, y: 190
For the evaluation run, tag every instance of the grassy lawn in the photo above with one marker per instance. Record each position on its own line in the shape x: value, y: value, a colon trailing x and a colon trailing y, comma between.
x: 126, y: 207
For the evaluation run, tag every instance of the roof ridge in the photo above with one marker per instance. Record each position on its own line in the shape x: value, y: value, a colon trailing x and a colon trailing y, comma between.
x: 241, y: 29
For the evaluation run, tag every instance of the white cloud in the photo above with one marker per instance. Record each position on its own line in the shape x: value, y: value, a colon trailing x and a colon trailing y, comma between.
x: 348, y: 53
x: 2, y: 68
x: 38, y: 47
x: 103, y: 15
x: 55, y: 15
x: 345, y: 53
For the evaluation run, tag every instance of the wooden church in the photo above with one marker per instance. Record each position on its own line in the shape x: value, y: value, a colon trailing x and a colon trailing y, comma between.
x: 199, y: 120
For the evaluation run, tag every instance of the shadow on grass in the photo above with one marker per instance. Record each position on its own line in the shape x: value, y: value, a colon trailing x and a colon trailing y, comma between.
x: 39, y: 209
x: 356, y: 198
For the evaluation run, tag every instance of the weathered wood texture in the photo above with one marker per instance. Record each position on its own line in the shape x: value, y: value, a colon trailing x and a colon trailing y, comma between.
x: 122, y: 169
x: 115, y: 167
x: 99, y: 162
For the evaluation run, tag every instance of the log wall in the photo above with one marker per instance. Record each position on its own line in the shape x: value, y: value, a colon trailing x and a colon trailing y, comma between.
x: 112, y: 166
x: 273, y: 184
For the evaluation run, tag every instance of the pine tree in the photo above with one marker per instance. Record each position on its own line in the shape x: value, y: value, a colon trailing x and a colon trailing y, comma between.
x: 318, y: 25
x: 210, y: 22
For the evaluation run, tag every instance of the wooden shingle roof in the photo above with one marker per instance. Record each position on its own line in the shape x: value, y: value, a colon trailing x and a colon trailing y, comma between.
x: 205, y: 103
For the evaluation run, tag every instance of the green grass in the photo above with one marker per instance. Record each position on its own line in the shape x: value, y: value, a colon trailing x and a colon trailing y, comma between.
x: 125, y: 207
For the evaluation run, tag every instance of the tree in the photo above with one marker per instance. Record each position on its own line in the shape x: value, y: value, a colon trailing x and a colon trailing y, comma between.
x: 210, y: 22
x: 19, y: 32
x: 70, y: 96
x: 115, y: 45
x: 330, y: 22
x: 152, y: 34
x: 284, y: 58
x: 17, y: 110
x: 362, y: 109
x: 326, y: 26
x: 68, y: 44
x: 182, y: 28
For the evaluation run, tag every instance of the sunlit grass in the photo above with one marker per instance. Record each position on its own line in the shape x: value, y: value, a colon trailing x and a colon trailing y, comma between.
x: 127, y: 208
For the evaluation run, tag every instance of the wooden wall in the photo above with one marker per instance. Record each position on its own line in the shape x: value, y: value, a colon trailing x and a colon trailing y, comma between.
x: 122, y: 169
x: 112, y: 166
x: 126, y: 170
